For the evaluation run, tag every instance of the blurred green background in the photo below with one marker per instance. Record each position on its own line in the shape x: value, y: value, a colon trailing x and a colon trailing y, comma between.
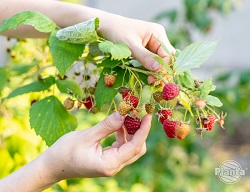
x: 168, y: 165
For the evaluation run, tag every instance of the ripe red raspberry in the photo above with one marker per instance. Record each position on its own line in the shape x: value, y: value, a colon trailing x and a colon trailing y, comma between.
x: 88, y: 102
x: 132, y: 124
x: 132, y: 100
x: 126, y: 93
x: 170, y: 91
x: 109, y: 80
x: 169, y: 128
x: 164, y: 114
x: 210, y: 122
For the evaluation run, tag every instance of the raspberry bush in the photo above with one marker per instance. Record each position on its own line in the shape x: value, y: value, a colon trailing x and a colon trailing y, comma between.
x: 99, y: 75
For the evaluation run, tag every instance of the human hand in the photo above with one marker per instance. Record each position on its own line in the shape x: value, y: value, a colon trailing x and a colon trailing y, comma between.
x: 80, y: 154
x: 140, y: 36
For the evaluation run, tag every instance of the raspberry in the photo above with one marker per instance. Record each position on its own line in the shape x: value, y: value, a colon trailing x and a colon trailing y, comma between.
x: 149, y: 108
x: 94, y: 110
x: 170, y: 91
x: 209, y: 123
x: 126, y: 93
x: 132, y: 124
x: 181, y: 130
x: 158, y: 96
x: 169, y: 128
x: 132, y: 100
x: 164, y: 114
x: 69, y: 103
x: 124, y: 108
x: 200, y: 104
x: 88, y: 102
x: 109, y: 80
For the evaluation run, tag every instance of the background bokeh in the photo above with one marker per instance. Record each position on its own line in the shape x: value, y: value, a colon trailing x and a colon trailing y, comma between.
x: 168, y: 165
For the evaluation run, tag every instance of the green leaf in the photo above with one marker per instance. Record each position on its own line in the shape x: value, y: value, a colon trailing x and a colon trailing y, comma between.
x: 164, y: 64
x: 50, y: 119
x: 68, y: 86
x: 187, y: 79
x: 36, y: 86
x: 187, y: 106
x: 143, y: 77
x: 206, y: 88
x: 94, y: 49
x: 81, y: 33
x: 35, y: 19
x: 64, y: 54
x: 118, y: 51
x: 108, y: 62
x: 194, y: 55
x: 178, y: 52
x: 103, y: 93
x: 3, y: 77
x: 213, y: 101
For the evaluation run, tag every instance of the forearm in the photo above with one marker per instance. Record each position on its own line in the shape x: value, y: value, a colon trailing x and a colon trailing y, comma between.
x: 34, y: 177
x: 63, y: 14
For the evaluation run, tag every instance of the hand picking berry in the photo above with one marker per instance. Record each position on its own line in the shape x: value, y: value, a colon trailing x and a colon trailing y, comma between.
x: 132, y: 124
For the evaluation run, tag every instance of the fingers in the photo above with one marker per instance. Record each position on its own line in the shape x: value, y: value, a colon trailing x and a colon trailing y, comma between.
x: 109, y: 125
x: 132, y: 148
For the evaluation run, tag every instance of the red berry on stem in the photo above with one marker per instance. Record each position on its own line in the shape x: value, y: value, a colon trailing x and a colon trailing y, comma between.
x: 132, y: 100
x: 164, y: 114
x: 126, y: 93
x: 169, y: 128
x: 170, y: 91
x: 210, y: 122
x: 88, y: 102
x: 132, y: 124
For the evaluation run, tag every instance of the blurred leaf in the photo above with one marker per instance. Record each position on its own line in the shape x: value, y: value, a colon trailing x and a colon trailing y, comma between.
x: 170, y: 14
x: 194, y: 55
x: 64, y: 54
x: 224, y: 76
x: 206, y: 88
x: 186, y: 105
x: 36, y: 86
x: 35, y: 19
x: 6, y: 163
x: 213, y: 101
x: 110, y: 63
x: 4, y: 77
x: 22, y: 68
x: 244, y: 78
x: 103, y: 93
x: 50, y: 119
x: 69, y: 86
x: 118, y: 51
x: 81, y: 33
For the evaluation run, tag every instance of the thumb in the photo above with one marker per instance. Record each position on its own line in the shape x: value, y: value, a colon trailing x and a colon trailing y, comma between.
x: 145, y: 57
x: 109, y: 125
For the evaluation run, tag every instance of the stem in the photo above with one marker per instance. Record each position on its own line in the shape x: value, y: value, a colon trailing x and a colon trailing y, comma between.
x: 197, y: 112
x: 146, y: 72
x: 185, y: 115
x: 213, y: 111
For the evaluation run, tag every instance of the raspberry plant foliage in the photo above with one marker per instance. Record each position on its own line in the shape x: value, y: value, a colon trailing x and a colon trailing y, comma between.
x: 80, y: 61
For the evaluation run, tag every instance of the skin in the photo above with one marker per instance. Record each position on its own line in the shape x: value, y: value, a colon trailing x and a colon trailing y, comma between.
x: 79, y: 154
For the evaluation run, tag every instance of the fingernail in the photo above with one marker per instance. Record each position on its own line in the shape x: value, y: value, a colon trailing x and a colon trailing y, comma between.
x: 155, y: 65
x: 118, y: 116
